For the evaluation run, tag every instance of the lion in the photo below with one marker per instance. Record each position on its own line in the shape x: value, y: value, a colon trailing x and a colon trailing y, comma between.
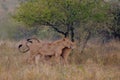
x: 57, y: 48
x: 30, y: 45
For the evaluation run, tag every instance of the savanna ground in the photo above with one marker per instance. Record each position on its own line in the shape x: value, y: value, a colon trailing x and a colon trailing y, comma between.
x: 98, y: 62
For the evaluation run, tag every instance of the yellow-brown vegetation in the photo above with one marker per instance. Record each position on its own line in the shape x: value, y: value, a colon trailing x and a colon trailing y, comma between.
x: 98, y: 62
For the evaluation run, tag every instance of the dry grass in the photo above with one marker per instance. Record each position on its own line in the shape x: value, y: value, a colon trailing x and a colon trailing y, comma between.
x: 98, y: 62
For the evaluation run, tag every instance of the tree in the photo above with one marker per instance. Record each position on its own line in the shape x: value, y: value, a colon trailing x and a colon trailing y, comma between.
x: 62, y: 15
x: 115, y: 28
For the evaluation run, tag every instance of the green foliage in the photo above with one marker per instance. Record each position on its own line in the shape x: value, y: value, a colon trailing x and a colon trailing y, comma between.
x: 60, y: 12
x: 64, y: 13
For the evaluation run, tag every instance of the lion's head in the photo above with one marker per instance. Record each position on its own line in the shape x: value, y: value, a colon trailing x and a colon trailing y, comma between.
x: 68, y: 43
x: 25, y: 45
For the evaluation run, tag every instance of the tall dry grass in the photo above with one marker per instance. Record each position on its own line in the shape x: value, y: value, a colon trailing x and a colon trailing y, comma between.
x: 98, y: 62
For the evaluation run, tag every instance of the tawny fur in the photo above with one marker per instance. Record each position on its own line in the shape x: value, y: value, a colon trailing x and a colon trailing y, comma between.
x: 65, y: 53
x: 57, y: 48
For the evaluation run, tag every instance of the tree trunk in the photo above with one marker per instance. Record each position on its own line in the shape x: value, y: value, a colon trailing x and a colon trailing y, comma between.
x: 67, y: 31
x: 86, y: 40
x: 72, y: 34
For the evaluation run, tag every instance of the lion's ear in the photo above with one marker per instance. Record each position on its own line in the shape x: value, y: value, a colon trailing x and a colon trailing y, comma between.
x: 64, y: 39
x: 20, y: 46
x: 29, y: 40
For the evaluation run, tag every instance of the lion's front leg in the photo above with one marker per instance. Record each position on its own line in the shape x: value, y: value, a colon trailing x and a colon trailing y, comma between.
x: 65, y: 54
x: 31, y: 59
x: 42, y: 59
x: 57, y: 56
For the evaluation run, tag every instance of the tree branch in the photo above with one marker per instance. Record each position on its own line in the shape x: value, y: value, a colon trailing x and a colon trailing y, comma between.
x: 56, y: 29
